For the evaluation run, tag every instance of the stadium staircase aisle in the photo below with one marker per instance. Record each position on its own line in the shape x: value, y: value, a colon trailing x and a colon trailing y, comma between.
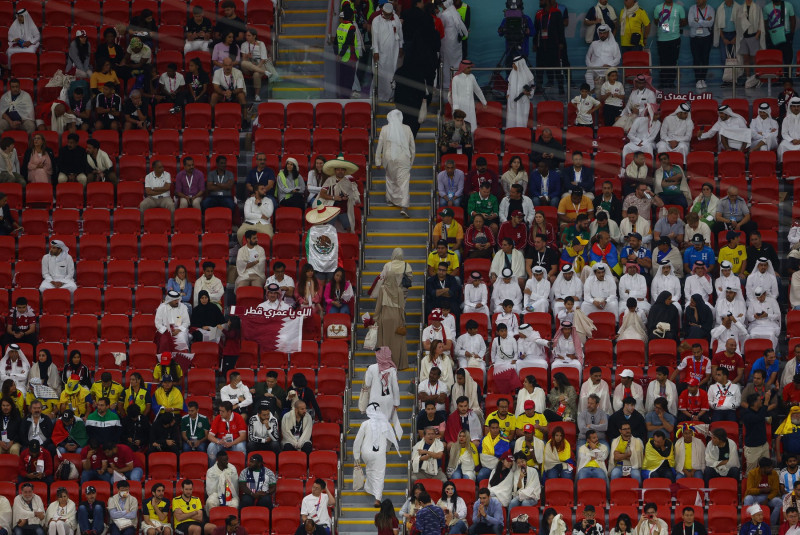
x: 300, y: 50
x: 387, y: 229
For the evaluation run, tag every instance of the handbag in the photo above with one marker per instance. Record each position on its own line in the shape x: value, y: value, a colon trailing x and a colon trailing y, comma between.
x: 731, y: 62
x: 406, y: 282
x: 358, y: 477
x: 401, y: 331
x: 371, y: 339
x: 337, y: 331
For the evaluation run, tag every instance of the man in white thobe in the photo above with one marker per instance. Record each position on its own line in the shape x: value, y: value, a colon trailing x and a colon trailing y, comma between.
x: 387, y: 38
x: 643, y: 133
x: 506, y: 288
x: 731, y: 328
x: 726, y: 278
x: 731, y: 128
x: 699, y: 282
x: 476, y: 295
x: 537, y: 291
x: 58, y: 268
x: 250, y: 262
x: 172, y: 319
x: 600, y: 292
x: 451, y: 52
x: 764, y: 317
x: 638, y: 101
x: 23, y: 34
x: 274, y: 301
x: 519, y: 93
x: 763, y: 276
x: 395, y: 152
x: 764, y: 129
x: 633, y: 284
x: 603, y: 53
x: 790, y: 129
x: 676, y: 131
x: 210, y: 283
x: 464, y: 90
x: 665, y: 281
x: 371, y: 447
x: 532, y: 348
x: 381, y: 388
x: 731, y: 302
x: 567, y: 284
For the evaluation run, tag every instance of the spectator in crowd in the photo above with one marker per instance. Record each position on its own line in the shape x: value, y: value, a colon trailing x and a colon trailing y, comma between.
x: 16, y: 105
x: 20, y: 329
x: 155, y: 513
x: 172, y: 324
x: 35, y: 463
x: 28, y: 512
x: 157, y: 186
x: 187, y: 512
x: 9, y: 162
x: 194, y: 429
x: 643, y: 132
x: 222, y: 483
x: 197, y: 31
x: 315, y: 505
x: 210, y: 283
x: 218, y: 187
x: 135, y: 428
x: 75, y: 394
x: 103, y: 424
x: 756, y: 441
x: 625, y: 389
x: 165, y: 433
x: 549, y: 149
x: 628, y: 414
x: 763, y: 488
x: 37, y: 427
x: 250, y: 261
x: 123, y: 509
x: 237, y: 393
x: 91, y: 513
x: 189, y: 193
x: 592, y: 459
x: 104, y: 74
x: 228, y: 432
x: 225, y: 48
x: 659, y: 418
x: 722, y: 458
x: 296, y: 428
x: 627, y: 454
x: 58, y: 268
x: 257, y: 484
x: 662, y: 387
x: 227, y: 85
x: 487, y: 515
x: 558, y: 460
x: 99, y: 167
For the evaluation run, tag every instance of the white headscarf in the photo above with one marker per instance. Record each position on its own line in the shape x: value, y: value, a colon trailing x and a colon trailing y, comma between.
x: 27, y: 31
x: 397, y: 135
x: 64, y: 249
x: 380, y: 427
x: 518, y: 78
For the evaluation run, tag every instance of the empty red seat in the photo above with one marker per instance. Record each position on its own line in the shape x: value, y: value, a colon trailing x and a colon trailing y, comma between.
x: 227, y: 115
x: 328, y: 115
x: 300, y: 115
x: 136, y: 142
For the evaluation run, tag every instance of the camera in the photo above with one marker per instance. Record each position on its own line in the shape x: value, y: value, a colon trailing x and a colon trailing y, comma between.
x: 525, y: 89
x: 514, y: 4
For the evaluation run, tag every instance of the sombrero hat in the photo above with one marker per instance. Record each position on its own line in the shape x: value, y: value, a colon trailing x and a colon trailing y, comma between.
x: 339, y: 162
x: 321, y: 214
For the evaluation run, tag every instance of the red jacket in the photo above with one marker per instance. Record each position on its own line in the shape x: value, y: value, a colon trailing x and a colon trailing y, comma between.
x: 27, y: 463
x: 518, y: 234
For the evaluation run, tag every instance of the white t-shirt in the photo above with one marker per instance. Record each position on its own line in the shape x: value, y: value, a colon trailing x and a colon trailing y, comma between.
x: 615, y: 89
x: 234, y: 80
x: 316, y: 508
x: 583, y: 107
x: 153, y: 181
x: 286, y: 282
x: 257, y: 50
x: 172, y: 84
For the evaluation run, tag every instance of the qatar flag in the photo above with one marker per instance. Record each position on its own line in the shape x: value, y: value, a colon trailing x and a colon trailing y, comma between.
x: 272, y: 330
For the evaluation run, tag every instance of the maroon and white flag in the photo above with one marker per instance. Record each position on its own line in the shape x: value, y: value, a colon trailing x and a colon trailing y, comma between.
x: 272, y: 330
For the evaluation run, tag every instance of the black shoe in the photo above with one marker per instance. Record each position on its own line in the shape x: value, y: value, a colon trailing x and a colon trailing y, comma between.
x: 726, y: 84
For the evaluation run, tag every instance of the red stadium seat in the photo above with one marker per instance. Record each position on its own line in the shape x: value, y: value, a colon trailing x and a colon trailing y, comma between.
x: 289, y: 491
x: 167, y: 141
x: 90, y: 273
x: 731, y: 165
x: 28, y: 273
x: 201, y: 380
x: 550, y: 113
x: 69, y: 195
x: 121, y: 273
x: 300, y: 115
x: 143, y: 327
x: 226, y: 141
x: 326, y: 437
x: 53, y: 329
x: 268, y: 141
x: 56, y: 301
x: 38, y: 195
x: 357, y: 115
x: 193, y: 465
x: 598, y: 352
x: 630, y: 352
x: 559, y: 492
x: 767, y: 57
x: 328, y: 115
x: 87, y: 300
x: 24, y: 65
x: 136, y: 142
x: 292, y: 464
x: 637, y: 58
x: 66, y: 221
x: 195, y: 141
x: 326, y: 141
x: 722, y: 518
x: 158, y: 221
x: 228, y: 115
x: 154, y: 247
x: 271, y: 115
x: 124, y: 246
x: 255, y: 519
x: 101, y: 195
x: 487, y: 140
x: 592, y: 491
x: 129, y: 194
x: 605, y: 323
x: 700, y: 165
x: 763, y: 164
x: 610, y: 139
x: 518, y: 140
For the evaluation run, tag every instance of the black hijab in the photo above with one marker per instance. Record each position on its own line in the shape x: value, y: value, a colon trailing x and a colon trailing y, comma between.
x: 44, y: 367
x: 208, y: 315
x: 661, y: 312
x: 701, y: 315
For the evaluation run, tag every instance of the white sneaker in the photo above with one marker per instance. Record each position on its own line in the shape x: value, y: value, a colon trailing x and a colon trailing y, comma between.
x: 752, y: 82
x: 699, y: 84
x: 257, y: 98
x: 704, y: 84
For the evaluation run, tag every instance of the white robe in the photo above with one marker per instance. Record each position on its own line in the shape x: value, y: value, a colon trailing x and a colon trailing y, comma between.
x: 602, y: 54
x: 463, y: 92
x: 536, y: 295
x: 736, y: 307
x: 473, y: 344
x: 474, y: 296
x: 654, y: 391
x: 372, y: 444
x: 600, y: 389
x: 790, y: 131
x: 597, y: 290
x: 769, y: 327
x: 697, y: 285
x: 395, y: 152
x: 511, y: 321
x: 766, y: 280
x: 788, y: 372
x: 504, y: 350
x: 384, y: 390
x: 444, y: 363
x: 640, y: 99
x: 387, y: 38
x: 642, y: 136
x: 177, y: 317
x: 503, y: 291
x: 734, y: 129
x: 563, y: 288
x: 562, y: 348
x: 26, y: 32
x: 675, y: 129
x: 213, y: 286
x: 636, y: 391
x: 532, y: 352
x: 669, y: 283
x: 517, y: 264
x: 59, y: 268
x: 510, y: 488
x: 18, y: 371
x: 538, y: 398
x: 518, y: 109
x: 634, y: 286
x: 721, y: 283
x: 765, y: 130
x: 454, y: 30
x: 720, y: 334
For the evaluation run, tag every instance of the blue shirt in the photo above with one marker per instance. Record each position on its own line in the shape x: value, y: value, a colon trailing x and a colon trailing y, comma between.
x: 760, y: 364
x: 494, y: 513
x: 706, y: 255
x: 640, y: 253
x: 254, y: 177
x: 727, y: 12
x: 430, y: 520
x: 749, y: 528
x: 653, y: 419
